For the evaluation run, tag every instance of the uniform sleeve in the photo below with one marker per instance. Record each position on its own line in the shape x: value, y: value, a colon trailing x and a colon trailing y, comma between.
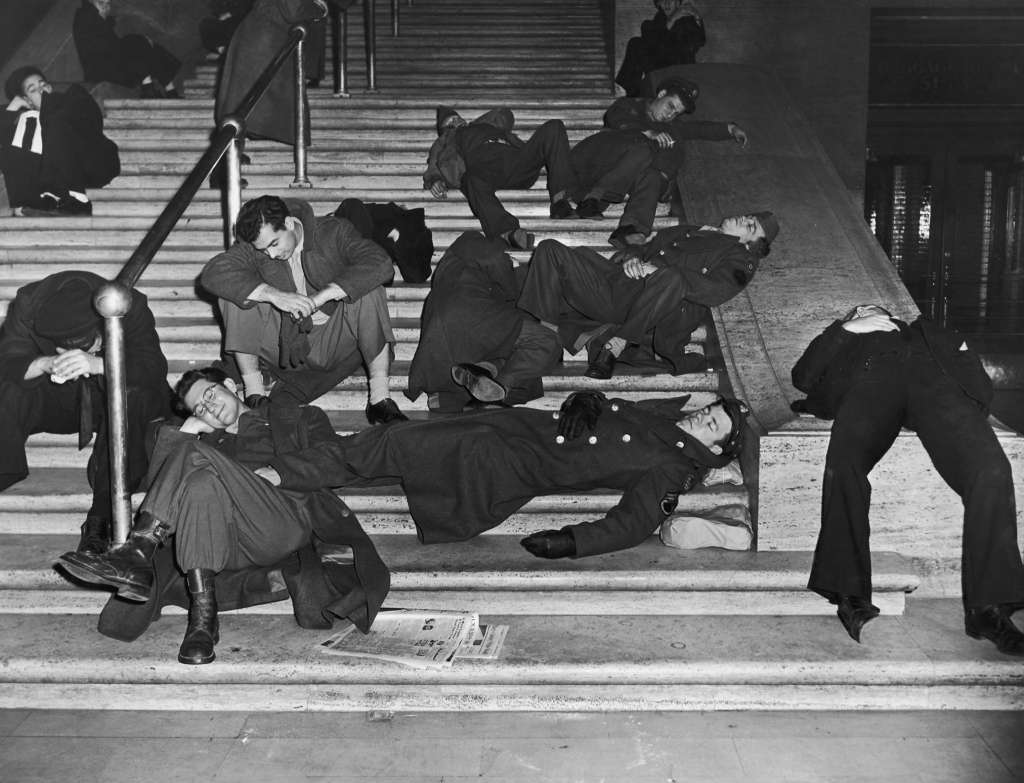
x: 145, y: 363
x: 433, y: 172
x: 622, y: 115
x: 359, y: 265
x: 500, y: 118
x: 321, y: 464
x: 233, y: 274
x: 18, y: 349
x: 645, y: 504
x: 815, y: 361
x: 720, y: 279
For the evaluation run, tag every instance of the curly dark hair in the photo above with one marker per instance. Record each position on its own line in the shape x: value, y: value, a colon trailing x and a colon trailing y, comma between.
x: 258, y: 211
x: 17, y: 78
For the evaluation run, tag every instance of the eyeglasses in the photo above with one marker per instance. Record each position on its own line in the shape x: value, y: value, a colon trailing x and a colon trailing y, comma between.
x: 203, y: 406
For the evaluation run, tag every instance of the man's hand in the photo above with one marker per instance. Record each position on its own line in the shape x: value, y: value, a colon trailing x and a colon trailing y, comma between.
x: 269, y: 475
x: 69, y: 365
x: 439, y: 190
x: 636, y: 269
x: 41, y: 365
x: 295, y: 305
x: 195, y: 426
x: 873, y: 322
x: 550, y: 544
x: 622, y: 256
x: 579, y: 413
x: 738, y: 134
x: 663, y: 139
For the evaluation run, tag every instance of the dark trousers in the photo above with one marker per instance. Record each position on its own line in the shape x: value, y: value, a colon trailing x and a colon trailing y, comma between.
x: 52, y: 407
x: 614, y: 166
x: 140, y: 58
x: 963, y: 449
x: 566, y: 283
x: 224, y: 516
x: 494, y: 166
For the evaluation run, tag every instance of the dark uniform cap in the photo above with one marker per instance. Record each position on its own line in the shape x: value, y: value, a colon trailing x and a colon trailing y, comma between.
x: 443, y: 114
x: 68, y: 317
x: 770, y: 224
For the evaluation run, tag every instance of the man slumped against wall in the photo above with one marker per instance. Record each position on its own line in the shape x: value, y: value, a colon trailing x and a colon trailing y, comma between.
x: 209, y: 496
x: 650, y: 296
x: 52, y: 380
x: 302, y: 300
x: 874, y: 374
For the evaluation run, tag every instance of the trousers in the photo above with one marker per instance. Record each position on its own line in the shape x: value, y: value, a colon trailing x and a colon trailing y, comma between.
x: 615, y: 166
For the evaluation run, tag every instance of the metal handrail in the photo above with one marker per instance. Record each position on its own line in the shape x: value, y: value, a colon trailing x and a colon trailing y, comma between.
x: 113, y: 300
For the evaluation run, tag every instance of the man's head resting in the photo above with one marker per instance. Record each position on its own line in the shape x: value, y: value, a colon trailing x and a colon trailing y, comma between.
x: 862, y: 310
x: 718, y: 429
x: 68, y: 318
x: 447, y: 117
x: 268, y: 225
x: 756, y: 231
x: 209, y: 395
x: 16, y: 83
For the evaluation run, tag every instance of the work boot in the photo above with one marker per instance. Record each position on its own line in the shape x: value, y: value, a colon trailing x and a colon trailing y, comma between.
x: 993, y: 623
x: 203, y: 630
x: 95, y: 535
x: 128, y: 568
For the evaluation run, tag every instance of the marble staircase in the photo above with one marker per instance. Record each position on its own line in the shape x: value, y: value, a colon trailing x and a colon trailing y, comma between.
x: 650, y: 628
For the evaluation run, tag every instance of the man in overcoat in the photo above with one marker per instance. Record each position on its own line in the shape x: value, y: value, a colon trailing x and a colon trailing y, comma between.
x: 874, y: 374
x: 475, y: 344
x: 465, y: 474
x: 208, y: 489
x: 52, y: 380
x: 483, y: 156
x: 302, y: 298
x: 649, y: 296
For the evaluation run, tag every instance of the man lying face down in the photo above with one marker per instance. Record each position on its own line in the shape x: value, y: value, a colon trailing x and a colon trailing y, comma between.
x: 467, y: 474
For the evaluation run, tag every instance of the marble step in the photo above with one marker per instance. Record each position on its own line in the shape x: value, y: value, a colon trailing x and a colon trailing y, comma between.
x: 493, y: 574
x: 388, y: 106
x: 568, y: 663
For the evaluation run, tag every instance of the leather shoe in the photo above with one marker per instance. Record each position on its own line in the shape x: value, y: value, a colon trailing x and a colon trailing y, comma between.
x: 478, y: 382
x: 384, y: 412
x: 625, y: 236
x: 561, y: 209
x: 591, y: 208
x: 854, y: 612
x: 519, y: 239
x: 602, y: 366
x: 95, y: 536
x: 993, y: 623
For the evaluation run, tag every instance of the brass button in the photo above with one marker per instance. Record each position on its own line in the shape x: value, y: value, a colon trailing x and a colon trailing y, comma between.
x: 626, y: 438
x: 560, y: 439
x: 592, y: 440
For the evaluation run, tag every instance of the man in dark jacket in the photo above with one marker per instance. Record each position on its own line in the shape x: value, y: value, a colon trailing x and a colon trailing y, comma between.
x: 639, y: 156
x: 652, y: 296
x: 484, y: 155
x: 52, y: 146
x: 475, y: 344
x: 873, y: 374
x: 130, y: 60
x: 51, y: 380
x: 302, y: 299
x: 213, y: 495
x: 672, y: 37
x: 466, y: 474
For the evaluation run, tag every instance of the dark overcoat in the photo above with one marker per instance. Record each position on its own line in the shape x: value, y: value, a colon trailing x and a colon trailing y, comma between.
x: 254, y: 44
x: 466, y: 474
x: 469, y: 314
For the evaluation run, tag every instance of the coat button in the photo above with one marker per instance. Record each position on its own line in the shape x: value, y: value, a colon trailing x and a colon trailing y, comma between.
x: 592, y: 440
x: 626, y: 438
x: 680, y: 444
x: 615, y: 406
x: 704, y: 270
x: 560, y: 439
x: 554, y: 415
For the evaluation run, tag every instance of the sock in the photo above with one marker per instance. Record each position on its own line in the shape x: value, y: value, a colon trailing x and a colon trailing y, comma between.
x: 252, y: 382
x: 616, y: 345
x: 148, y: 80
x: 377, y: 372
x: 78, y: 196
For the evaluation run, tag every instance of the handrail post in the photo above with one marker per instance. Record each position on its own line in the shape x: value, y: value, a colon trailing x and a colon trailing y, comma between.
x: 113, y: 301
x: 301, y: 180
x: 339, y: 37
x: 394, y: 18
x: 370, y: 31
x: 233, y: 172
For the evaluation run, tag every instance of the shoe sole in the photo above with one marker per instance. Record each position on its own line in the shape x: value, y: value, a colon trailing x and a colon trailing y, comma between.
x: 480, y: 387
x: 131, y: 591
x: 197, y: 661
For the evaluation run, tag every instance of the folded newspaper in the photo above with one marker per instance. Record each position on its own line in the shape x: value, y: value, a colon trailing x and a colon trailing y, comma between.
x: 422, y: 639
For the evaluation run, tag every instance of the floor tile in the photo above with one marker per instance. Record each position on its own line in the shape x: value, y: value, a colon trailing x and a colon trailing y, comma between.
x: 11, y: 719
x: 127, y: 723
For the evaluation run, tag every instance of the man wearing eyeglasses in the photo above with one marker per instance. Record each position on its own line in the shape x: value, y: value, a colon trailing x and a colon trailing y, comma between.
x: 211, y: 489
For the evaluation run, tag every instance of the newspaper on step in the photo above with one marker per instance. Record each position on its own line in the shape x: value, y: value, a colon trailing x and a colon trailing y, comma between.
x: 420, y: 638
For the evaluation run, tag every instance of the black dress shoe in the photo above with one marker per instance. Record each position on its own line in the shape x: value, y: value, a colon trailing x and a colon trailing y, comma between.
x: 384, y: 412
x: 854, y: 612
x: 625, y: 236
x: 478, y: 382
x: 993, y: 623
x: 519, y: 239
x: 602, y: 366
x: 561, y: 209
x: 591, y: 208
x: 95, y: 536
